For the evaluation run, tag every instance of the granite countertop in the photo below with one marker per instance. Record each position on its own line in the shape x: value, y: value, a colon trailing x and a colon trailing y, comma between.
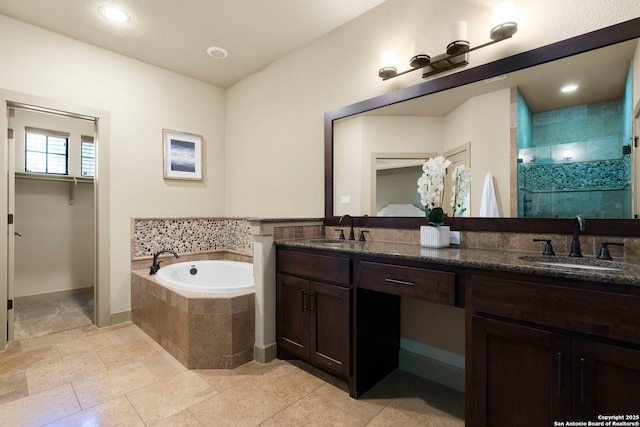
x: 622, y: 273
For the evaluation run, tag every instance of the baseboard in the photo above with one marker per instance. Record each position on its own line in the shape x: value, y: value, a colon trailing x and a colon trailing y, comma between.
x: 122, y: 317
x: 264, y: 354
x: 49, y: 295
x: 431, y: 369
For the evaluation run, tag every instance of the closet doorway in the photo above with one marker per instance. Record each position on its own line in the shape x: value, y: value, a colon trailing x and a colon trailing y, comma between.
x: 52, y: 194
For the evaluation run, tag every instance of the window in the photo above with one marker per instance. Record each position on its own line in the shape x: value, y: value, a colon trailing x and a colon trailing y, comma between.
x: 46, y: 151
x: 88, y: 154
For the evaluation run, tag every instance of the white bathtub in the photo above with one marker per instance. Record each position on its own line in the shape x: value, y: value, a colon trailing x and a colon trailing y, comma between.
x: 208, y: 276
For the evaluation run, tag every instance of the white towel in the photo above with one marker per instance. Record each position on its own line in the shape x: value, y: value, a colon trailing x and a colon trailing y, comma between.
x: 489, y: 205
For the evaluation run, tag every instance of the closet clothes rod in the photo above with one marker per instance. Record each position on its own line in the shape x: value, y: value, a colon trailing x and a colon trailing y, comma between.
x: 72, y: 180
x: 60, y: 178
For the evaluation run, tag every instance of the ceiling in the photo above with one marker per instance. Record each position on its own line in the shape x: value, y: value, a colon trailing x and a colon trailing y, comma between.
x: 176, y: 35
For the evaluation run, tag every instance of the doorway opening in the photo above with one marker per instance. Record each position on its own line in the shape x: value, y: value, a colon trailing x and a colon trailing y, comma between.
x: 52, y: 256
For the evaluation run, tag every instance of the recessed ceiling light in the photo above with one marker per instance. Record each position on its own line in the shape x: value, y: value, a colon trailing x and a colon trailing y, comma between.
x: 114, y: 14
x: 569, y: 88
x: 217, y: 52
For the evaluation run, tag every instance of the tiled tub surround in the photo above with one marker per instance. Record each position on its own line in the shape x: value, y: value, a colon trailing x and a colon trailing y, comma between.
x: 202, y: 331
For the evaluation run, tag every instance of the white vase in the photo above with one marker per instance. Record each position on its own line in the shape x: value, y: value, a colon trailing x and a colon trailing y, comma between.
x: 434, y: 237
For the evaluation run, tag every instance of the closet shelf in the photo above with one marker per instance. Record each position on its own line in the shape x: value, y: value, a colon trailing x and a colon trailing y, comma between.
x: 61, y: 178
x: 72, y: 180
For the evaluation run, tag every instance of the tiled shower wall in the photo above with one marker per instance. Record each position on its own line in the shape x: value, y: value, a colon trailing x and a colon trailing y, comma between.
x: 194, y: 237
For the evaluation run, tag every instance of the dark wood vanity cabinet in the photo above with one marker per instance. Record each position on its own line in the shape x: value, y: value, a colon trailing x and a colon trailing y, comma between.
x: 547, y: 351
x: 313, y: 298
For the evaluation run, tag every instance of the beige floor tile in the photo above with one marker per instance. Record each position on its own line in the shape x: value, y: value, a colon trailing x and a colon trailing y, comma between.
x: 128, y: 352
x: 19, y: 362
x: 255, y: 368
x: 13, y: 347
x: 430, y: 409
x: 289, y: 383
x: 392, y: 417
x: 247, y: 406
x: 128, y: 332
x: 41, y: 408
x: 365, y: 409
x: 313, y: 410
x: 51, y: 339
x: 115, y: 412
x: 112, y: 383
x: 181, y: 419
x: 163, y: 365
x: 242, y: 376
x: 90, y: 341
x: 166, y: 398
x: 13, y: 387
x: 52, y: 375
x: 225, y: 379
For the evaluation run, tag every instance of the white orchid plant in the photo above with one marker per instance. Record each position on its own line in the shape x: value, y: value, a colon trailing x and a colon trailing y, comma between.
x: 461, y: 183
x: 431, y: 189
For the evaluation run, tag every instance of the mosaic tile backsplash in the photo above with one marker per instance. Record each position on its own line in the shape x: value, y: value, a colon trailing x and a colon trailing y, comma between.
x: 190, y: 235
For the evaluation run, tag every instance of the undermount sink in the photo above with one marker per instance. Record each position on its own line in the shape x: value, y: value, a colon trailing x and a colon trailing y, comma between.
x: 577, y: 263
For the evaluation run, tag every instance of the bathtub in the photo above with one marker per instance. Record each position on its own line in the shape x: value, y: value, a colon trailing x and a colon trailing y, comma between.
x: 208, y: 276
x: 209, y: 322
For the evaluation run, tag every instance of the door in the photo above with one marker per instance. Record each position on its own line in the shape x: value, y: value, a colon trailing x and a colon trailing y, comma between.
x: 606, y: 380
x: 11, y: 233
x: 519, y: 373
x: 329, y: 325
x: 4, y: 275
x: 293, y: 317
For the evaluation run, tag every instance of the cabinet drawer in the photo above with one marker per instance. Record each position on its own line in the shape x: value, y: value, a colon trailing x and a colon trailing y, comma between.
x: 604, y: 314
x: 431, y: 285
x: 319, y: 267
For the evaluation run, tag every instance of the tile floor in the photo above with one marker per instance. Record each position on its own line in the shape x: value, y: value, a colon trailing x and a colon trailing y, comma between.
x: 38, y: 318
x: 118, y: 376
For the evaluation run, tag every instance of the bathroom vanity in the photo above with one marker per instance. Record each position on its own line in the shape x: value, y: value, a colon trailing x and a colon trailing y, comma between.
x: 543, y: 343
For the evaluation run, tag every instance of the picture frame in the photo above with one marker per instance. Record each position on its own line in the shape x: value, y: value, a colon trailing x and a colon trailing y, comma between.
x: 182, y: 152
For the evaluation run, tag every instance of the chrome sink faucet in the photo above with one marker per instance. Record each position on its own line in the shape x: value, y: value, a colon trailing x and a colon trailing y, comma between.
x: 352, y: 235
x: 155, y: 265
x: 578, y: 226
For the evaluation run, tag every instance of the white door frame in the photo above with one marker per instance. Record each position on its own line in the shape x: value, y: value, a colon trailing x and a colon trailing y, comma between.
x: 102, y: 282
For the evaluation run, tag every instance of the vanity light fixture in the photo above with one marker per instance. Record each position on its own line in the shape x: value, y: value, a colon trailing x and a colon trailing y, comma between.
x: 456, y: 52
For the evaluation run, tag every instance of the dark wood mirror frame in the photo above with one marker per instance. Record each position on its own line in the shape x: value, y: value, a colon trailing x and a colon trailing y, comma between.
x: 583, y: 43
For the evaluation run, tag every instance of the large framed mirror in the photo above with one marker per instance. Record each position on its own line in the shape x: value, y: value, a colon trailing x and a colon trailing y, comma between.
x: 485, y: 115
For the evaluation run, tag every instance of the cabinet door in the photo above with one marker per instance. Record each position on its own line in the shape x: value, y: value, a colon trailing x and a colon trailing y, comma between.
x: 292, y: 315
x: 520, y: 375
x: 606, y: 380
x: 329, y: 326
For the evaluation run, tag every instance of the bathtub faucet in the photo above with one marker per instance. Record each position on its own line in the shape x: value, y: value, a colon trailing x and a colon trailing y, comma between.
x: 155, y: 266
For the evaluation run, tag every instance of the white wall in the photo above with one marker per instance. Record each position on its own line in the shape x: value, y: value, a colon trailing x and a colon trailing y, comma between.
x: 142, y: 101
x: 55, y: 251
x: 285, y: 102
x: 490, y: 148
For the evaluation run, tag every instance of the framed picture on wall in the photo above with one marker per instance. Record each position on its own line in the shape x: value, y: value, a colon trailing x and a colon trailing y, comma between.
x: 182, y: 155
